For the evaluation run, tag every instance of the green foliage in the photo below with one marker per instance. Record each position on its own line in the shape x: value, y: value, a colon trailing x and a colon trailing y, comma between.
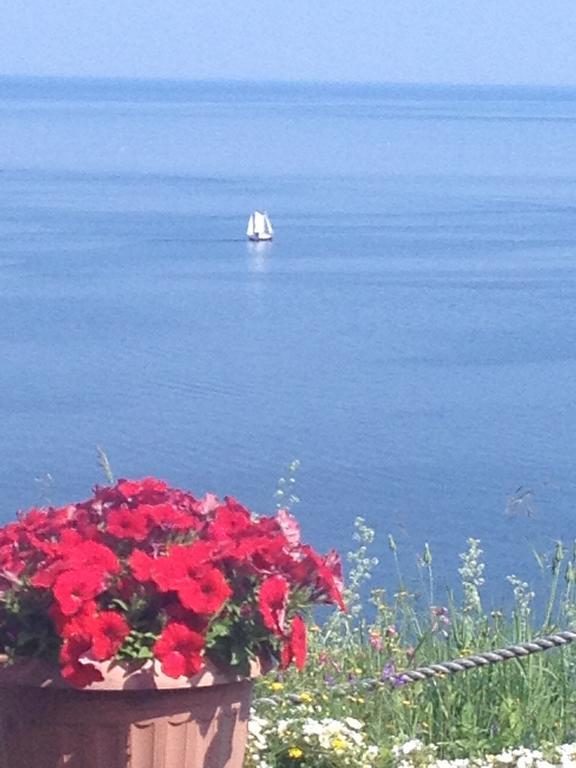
x: 23, y: 618
x: 105, y: 465
x: 529, y: 702
x: 137, y: 646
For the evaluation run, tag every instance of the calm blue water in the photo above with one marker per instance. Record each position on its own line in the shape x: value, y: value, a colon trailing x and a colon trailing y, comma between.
x: 410, y: 335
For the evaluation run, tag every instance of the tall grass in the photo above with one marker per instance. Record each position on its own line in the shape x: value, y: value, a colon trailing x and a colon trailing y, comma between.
x: 526, y: 702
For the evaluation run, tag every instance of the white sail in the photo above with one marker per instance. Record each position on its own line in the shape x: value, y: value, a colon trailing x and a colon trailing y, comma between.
x: 259, y: 223
x: 268, y: 225
x: 259, y: 226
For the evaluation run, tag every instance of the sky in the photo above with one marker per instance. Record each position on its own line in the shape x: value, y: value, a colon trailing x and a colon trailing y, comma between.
x: 430, y: 41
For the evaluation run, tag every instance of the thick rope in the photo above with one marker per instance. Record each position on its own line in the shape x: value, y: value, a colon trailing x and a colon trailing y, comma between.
x: 430, y: 671
x: 519, y: 651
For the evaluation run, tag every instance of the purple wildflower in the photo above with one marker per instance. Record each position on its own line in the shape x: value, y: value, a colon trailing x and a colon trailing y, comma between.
x: 390, y: 675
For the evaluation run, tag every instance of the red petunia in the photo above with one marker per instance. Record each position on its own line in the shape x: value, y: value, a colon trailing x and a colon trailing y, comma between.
x: 323, y: 574
x: 81, y: 674
x: 299, y: 642
x: 205, y: 594
x: 181, y: 564
x: 142, y: 565
x: 259, y: 554
x: 76, y: 671
x: 273, y: 601
x: 140, y: 553
x: 230, y: 521
x: 91, y: 554
x: 149, y: 487
x: 127, y: 523
x: 179, y: 649
x: 332, y: 578
x: 69, y: 538
x: 44, y: 578
x: 74, y: 588
x: 77, y: 625
x: 72, y: 554
x: 109, y: 630
x: 295, y: 649
x: 167, y: 516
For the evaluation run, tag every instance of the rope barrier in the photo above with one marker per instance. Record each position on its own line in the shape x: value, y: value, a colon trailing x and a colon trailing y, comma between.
x: 442, y: 669
x: 519, y: 651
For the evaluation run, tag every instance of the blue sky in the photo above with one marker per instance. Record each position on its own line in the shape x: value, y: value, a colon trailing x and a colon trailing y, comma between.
x: 460, y: 41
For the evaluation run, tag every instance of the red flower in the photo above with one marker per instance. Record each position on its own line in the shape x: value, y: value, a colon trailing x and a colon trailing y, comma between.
x: 149, y: 488
x: 74, y: 588
x: 205, y: 594
x: 142, y: 565
x: 44, y: 578
x: 322, y: 574
x: 73, y: 669
x: 179, y: 649
x: 72, y: 554
x: 77, y: 625
x: 109, y: 630
x: 140, y: 553
x: 181, y: 564
x: 70, y: 538
x: 299, y: 642
x: 230, y: 521
x: 81, y: 674
x: 127, y: 523
x: 167, y: 516
x: 91, y: 554
x: 332, y: 578
x: 272, y: 601
x: 261, y: 554
x: 295, y: 649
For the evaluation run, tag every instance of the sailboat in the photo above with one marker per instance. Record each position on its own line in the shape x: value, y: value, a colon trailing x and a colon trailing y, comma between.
x: 259, y: 227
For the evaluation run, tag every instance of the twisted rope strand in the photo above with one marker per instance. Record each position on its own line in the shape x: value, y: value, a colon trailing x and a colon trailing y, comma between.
x: 521, y: 650
x: 442, y: 669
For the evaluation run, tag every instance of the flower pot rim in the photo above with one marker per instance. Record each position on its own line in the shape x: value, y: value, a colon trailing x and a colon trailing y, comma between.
x: 122, y: 676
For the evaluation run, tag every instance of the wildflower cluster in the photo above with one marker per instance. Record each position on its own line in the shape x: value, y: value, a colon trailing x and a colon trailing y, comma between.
x: 357, y: 662
x: 143, y: 571
x: 416, y: 754
x: 310, y: 740
x: 472, y: 574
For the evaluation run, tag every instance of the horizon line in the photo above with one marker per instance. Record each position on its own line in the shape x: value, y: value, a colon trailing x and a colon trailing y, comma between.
x: 119, y: 79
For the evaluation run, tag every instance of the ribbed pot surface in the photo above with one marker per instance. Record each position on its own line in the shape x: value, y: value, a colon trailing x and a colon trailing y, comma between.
x: 203, y: 727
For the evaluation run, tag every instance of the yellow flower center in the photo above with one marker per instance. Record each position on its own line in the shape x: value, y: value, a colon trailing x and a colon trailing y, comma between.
x: 338, y: 744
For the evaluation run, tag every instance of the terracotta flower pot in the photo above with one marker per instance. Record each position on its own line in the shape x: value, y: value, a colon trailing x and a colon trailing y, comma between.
x: 136, y: 718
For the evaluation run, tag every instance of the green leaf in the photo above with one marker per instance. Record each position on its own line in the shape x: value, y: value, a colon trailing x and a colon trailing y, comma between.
x: 120, y: 604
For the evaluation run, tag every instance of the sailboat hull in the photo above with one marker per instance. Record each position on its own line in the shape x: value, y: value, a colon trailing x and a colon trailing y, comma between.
x: 261, y: 236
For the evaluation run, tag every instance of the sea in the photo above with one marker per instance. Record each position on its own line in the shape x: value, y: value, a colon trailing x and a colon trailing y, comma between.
x: 409, y: 336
